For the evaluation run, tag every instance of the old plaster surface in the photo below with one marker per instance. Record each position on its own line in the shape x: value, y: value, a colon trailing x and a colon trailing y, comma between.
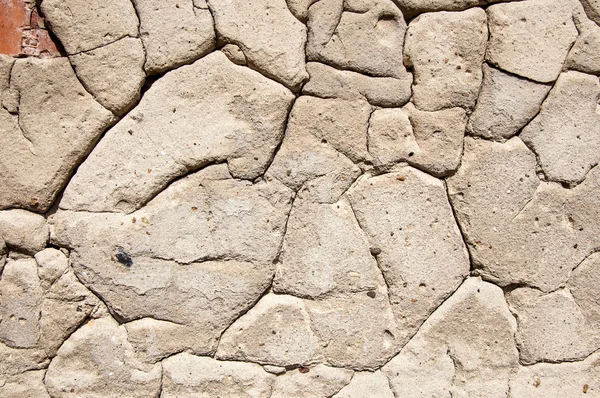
x: 301, y: 198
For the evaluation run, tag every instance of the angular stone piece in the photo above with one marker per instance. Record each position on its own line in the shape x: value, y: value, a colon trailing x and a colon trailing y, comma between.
x: 113, y: 74
x: 23, y: 230
x: 531, y: 38
x: 25, y: 385
x: 446, y: 51
x: 406, y: 215
x: 325, y: 252
x: 174, y: 33
x: 52, y: 264
x: 505, y: 105
x: 189, y: 376
x: 552, y: 328
x: 58, y: 124
x: 309, y: 158
x: 413, y: 7
x: 548, y: 380
x: 465, y: 349
x: 357, y: 331
x: 319, y: 381
x: 16, y: 361
x: 97, y: 359
x: 328, y: 82
x: 369, y: 40
x: 521, y: 231
x: 592, y: 9
x: 210, y: 111
x: 366, y: 385
x: 270, y: 36
x: 83, y: 25
x: 566, y: 134
x: 276, y: 331
x: 583, y: 56
x: 20, y: 304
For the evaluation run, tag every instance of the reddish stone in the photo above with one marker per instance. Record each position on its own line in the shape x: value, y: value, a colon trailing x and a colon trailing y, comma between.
x: 22, y: 31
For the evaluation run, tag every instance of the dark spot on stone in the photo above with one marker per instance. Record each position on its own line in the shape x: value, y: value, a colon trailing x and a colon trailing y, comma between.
x: 371, y: 294
x: 375, y: 251
x: 304, y: 369
x: 123, y: 257
x: 411, y: 153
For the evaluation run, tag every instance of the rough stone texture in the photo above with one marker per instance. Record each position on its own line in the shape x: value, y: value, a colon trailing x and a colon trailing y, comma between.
x: 113, y: 74
x: 465, y: 349
x: 174, y: 33
x: 53, y: 124
x: 214, y: 109
x: 566, y: 134
x: 505, y: 105
x: 531, y: 38
x: 271, y: 38
x: 446, y: 51
x: 83, y: 25
x: 299, y: 198
x: 328, y: 82
x: 23, y: 230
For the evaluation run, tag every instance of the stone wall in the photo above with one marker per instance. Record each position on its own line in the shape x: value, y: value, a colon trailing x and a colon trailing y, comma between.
x: 311, y: 198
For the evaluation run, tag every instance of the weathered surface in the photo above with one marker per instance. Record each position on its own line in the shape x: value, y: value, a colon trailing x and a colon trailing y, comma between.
x: 566, y: 134
x: 505, y: 105
x: 328, y: 82
x: 531, y: 38
x: 210, y: 111
x: 521, y: 230
x: 366, y: 385
x: 51, y: 124
x: 446, y: 51
x: 465, y: 349
x: 190, y: 376
x: 583, y: 55
x: 408, y: 219
x: 113, y: 74
x: 83, y: 25
x: 23, y: 230
x: 97, y: 358
x: 200, y: 273
x: 174, y: 33
x: 271, y: 38
x: 319, y: 381
x: 365, y: 37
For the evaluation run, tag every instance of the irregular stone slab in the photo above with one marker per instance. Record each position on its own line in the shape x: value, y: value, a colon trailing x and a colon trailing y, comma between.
x: 187, y: 376
x: 319, y: 381
x: 200, y: 272
x: 429, y: 140
x: 97, y: 358
x: 23, y: 230
x: 366, y: 385
x: 309, y: 157
x: 26, y: 385
x: 20, y: 304
x: 583, y: 56
x: 566, y: 134
x: 52, y: 264
x: 83, y: 25
x: 531, y: 38
x: 324, y: 253
x: 57, y: 125
x: 276, y: 331
x: 113, y: 74
x: 407, y: 217
x: 271, y: 38
x: 465, y: 349
x: 369, y: 40
x: 446, y: 51
x: 66, y: 305
x: 16, y: 361
x: 328, y: 82
x: 552, y: 328
x: 546, y: 380
x: 210, y: 111
x: 520, y: 231
x: 357, y: 331
x: 505, y: 105
x: 174, y: 33
x: 414, y: 7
